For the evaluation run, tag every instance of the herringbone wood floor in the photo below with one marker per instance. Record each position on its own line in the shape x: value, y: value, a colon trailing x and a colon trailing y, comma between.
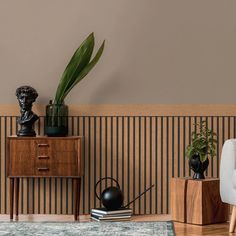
x: 180, y: 228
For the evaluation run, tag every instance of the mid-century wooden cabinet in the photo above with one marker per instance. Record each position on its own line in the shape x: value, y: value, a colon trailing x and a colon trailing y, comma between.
x: 41, y: 156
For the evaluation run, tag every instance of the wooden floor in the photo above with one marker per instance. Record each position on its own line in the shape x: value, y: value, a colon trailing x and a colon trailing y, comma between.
x: 180, y: 228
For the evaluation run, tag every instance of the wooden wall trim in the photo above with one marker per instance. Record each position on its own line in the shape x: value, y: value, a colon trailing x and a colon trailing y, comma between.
x: 137, y: 151
x: 133, y: 110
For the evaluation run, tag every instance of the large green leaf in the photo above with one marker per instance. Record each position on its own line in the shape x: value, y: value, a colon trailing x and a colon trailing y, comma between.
x: 78, y: 62
x: 85, y: 71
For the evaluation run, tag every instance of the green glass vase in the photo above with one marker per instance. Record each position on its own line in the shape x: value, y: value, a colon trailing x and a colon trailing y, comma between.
x: 56, y: 120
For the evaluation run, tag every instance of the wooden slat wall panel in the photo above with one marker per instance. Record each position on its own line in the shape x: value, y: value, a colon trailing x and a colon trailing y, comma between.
x: 138, y: 151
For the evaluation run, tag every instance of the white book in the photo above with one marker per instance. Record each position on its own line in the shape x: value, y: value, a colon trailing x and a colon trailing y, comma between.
x: 104, y: 211
x: 110, y: 215
x: 113, y: 219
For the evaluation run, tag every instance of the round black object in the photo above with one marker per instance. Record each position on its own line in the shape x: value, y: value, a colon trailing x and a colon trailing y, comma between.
x: 112, y: 198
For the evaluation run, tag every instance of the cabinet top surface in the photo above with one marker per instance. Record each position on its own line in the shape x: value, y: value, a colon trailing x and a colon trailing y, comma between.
x: 45, y: 137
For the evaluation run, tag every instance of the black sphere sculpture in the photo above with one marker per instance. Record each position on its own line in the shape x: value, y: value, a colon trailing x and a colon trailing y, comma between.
x: 26, y: 95
x: 112, y: 197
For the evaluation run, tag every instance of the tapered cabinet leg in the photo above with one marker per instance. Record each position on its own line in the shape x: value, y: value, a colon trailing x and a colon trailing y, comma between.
x: 232, y: 220
x: 78, y: 195
x: 17, y: 181
x: 11, y: 197
x: 75, y: 186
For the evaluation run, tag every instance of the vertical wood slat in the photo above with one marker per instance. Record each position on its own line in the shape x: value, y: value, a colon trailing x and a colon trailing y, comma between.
x: 142, y: 163
x: 159, y: 186
x: 125, y: 159
x: 137, y: 151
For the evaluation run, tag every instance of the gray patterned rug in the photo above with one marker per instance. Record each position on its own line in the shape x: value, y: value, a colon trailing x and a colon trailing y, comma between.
x: 87, y: 228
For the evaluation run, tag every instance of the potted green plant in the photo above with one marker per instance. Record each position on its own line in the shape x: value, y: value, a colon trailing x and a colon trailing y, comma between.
x: 202, y: 146
x: 56, y: 121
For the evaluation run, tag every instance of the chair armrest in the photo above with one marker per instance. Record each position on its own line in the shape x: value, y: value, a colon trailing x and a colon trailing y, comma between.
x: 234, y: 178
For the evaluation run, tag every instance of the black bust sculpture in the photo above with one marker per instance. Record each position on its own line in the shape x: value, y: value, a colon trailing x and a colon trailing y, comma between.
x: 26, y: 95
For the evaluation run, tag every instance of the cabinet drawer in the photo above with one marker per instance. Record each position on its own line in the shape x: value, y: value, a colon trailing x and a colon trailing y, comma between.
x: 65, y: 169
x: 42, y: 147
x: 65, y: 157
x: 43, y: 170
x: 35, y: 157
x: 60, y: 145
x: 57, y: 170
x: 43, y: 165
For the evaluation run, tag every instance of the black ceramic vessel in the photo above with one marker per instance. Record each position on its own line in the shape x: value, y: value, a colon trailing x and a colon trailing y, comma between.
x: 198, y: 167
x: 56, y: 121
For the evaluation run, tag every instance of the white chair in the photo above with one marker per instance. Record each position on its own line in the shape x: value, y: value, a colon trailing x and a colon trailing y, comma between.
x: 228, y: 178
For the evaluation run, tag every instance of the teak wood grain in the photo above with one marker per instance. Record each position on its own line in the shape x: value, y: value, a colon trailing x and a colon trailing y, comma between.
x: 197, y: 201
x: 41, y: 157
x: 37, y: 157
x: 204, y: 205
x: 178, y: 199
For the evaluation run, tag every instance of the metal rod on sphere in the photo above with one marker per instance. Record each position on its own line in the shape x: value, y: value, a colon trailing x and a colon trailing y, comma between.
x: 139, y: 195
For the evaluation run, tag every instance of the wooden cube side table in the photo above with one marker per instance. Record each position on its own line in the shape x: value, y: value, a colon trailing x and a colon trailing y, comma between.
x: 197, y: 201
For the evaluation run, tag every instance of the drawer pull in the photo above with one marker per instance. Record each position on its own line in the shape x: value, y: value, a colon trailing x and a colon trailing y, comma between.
x: 43, y: 145
x: 43, y: 157
x: 43, y: 169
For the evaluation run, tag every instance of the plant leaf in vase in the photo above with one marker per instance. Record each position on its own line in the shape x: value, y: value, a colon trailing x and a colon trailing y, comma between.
x: 78, y: 67
x: 85, y: 71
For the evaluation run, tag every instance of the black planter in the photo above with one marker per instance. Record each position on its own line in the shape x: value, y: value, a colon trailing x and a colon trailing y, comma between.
x: 56, y: 121
x: 198, y: 167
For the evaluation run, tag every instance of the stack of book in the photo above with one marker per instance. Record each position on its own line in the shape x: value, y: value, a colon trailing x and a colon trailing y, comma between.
x: 102, y: 214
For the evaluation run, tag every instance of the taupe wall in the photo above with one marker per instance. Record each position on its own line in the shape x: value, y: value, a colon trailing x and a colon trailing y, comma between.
x: 157, y: 51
